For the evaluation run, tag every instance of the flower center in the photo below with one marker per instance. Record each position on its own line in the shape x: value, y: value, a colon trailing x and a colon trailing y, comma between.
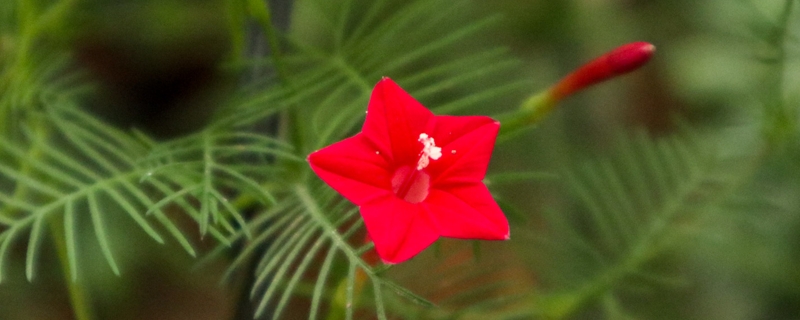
x: 412, y: 184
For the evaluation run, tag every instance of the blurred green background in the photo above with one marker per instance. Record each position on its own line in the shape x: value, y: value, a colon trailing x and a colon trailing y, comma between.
x: 727, y: 68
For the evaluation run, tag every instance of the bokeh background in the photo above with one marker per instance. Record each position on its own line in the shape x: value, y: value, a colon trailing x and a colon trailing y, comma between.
x: 728, y: 69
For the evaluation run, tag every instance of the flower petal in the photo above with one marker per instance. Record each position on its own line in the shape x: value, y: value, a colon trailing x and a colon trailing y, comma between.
x: 467, y: 212
x: 467, y: 144
x: 353, y: 168
x: 394, y: 122
x: 399, y: 229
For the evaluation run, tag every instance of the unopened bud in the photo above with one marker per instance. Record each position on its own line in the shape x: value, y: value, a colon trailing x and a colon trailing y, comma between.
x: 617, y: 62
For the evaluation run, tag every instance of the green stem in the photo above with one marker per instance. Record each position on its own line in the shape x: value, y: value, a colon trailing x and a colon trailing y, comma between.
x: 350, y: 288
x: 290, y: 119
x: 780, y: 122
x: 316, y: 213
x: 533, y: 110
x: 79, y: 298
x: 31, y: 26
x: 262, y: 13
x: 40, y: 132
x: 16, y: 78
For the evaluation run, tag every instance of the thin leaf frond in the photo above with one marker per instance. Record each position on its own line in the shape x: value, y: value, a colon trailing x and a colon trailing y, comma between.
x: 613, y: 234
x: 71, y: 164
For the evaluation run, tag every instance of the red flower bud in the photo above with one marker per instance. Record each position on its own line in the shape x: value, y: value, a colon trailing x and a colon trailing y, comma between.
x: 617, y: 62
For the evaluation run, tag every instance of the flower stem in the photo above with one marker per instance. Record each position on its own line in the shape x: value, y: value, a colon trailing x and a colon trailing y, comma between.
x: 262, y: 13
x: 780, y: 121
x: 79, y: 298
x: 349, y: 288
x: 533, y: 110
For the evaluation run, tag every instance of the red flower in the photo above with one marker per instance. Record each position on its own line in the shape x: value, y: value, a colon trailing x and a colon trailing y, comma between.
x: 415, y: 176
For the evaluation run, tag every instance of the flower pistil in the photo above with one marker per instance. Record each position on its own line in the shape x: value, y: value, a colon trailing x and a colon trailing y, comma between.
x: 412, y: 184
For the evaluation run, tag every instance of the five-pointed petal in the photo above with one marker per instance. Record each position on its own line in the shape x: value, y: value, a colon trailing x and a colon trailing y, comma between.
x: 415, y: 176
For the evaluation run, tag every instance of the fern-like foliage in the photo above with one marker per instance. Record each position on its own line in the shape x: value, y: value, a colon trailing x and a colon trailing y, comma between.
x: 633, y: 207
x: 465, y: 280
x: 69, y: 165
x: 66, y: 172
x: 412, y: 42
x: 212, y: 166
x: 67, y: 176
x: 311, y: 232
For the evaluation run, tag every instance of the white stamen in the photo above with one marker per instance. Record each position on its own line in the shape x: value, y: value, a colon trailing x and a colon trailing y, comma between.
x: 453, y: 151
x: 429, y: 151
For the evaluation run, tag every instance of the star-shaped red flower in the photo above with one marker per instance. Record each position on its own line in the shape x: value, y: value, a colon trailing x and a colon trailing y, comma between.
x: 415, y: 176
